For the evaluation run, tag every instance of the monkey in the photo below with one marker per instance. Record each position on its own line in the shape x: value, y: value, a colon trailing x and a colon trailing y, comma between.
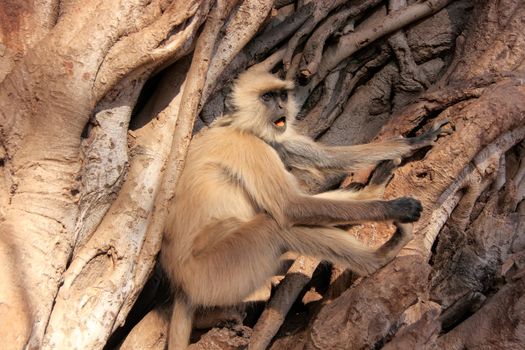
x: 237, y: 207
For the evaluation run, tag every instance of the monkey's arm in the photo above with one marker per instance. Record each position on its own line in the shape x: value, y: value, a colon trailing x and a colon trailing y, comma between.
x: 301, y: 152
x: 274, y: 190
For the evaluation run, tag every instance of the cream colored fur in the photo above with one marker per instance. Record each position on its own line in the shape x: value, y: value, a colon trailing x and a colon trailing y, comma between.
x: 236, y: 209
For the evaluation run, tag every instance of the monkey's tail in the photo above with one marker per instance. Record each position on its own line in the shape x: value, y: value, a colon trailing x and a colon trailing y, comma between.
x: 180, y: 324
x: 338, y: 246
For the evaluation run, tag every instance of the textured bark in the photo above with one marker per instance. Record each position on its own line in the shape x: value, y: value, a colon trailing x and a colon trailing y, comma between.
x: 98, y: 103
x: 362, y: 316
x: 498, y: 324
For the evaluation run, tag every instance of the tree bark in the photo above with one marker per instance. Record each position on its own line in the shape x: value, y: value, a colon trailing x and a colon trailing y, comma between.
x: 99, y: 100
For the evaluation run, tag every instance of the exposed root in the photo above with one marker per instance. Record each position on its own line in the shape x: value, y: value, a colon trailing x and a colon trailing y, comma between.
x: 104, y: 159
x: 261, y: 45
x: 146, y: 242
x: 322, y: 8
x: 154, y: 46
x: 349, y: 44
x: 323, y: 115
x: 150, y: 333
x: 276, y: 310
x: 187, y: 110
x: 270, y: 62
x: 245, y: 22
x: 434, y: 101
x: 498, y: 322
x: 413, y: 77
x: 313, y: 50
x: 483, y: 165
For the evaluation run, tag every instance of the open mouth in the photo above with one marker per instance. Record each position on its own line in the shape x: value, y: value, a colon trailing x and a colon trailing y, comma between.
x: 281, y: 122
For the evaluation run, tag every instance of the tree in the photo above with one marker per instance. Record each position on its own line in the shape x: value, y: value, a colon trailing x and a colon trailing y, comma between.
x: 98, y: 103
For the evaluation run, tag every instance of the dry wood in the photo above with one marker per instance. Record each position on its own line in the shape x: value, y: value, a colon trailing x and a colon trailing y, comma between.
x: 412, y: 77
x: 42, y: 124
x: 245, y: 23
x: 321, y: 9
x: 234, y: 337
x: 419, y: 335
x: 352, y: 42
x: 105, y: 159
x: 150, y: 333
x: 82, y: 158
x: 276, y: 310
x: 313, y: 50
x: 333, y: 102
x: 91, y: 258
x: 498, y: 322
x: 260, y: 46
x: 383, y: 297
x: 448, y: 197
x: 109, y: 253
x: 156, y: 45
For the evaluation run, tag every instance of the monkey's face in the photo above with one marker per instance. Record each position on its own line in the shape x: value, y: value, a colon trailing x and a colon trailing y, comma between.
x: 263, y: 104
x: 276, y: 105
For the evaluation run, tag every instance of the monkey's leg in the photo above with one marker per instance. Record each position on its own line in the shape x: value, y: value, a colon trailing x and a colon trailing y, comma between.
x: 233, y: 266
x: 180, y: 324
x: 375, y: 188
x: 338, y: 246
x: 312, y: 210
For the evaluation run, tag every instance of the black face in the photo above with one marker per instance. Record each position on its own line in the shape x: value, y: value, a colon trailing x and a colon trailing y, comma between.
x: 276, y: 102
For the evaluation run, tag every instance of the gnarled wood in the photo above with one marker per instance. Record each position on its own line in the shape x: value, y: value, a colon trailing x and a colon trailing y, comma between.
x: 99, y: 100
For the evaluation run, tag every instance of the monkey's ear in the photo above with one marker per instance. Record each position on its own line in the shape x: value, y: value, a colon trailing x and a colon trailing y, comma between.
x: 229, y: 105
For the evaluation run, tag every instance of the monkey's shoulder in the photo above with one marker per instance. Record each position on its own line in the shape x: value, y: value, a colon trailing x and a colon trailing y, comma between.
x: 226, y: 142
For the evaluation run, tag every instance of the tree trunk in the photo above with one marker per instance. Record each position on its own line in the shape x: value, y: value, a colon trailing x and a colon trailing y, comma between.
x: 99, y: 100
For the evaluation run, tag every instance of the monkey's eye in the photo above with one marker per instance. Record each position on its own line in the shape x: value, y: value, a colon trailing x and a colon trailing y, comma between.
x: 283, y: 95
x: 267, y: 96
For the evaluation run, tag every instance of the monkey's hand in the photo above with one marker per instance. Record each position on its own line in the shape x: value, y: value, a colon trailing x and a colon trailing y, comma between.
x: 355, y: 187
x: 405, y: 209
x: 384, y: 172
x: 429, y: 137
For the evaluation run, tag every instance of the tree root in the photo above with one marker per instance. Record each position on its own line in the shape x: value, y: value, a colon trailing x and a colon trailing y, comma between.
x: 484, y: 164
x: 150, y: 333
x: 261, y: 45
x: 322, y: 116
x: 110, y: 252
x: 105, y: 159
x: 276, y: 310
x: 365, y: 313
x: 244, y: 24
x: 313, y: 50
x: 321, y: 9
x: 413, y: 78
x: 158, y: 46
x: 349, y: 44
x: 486, y: 326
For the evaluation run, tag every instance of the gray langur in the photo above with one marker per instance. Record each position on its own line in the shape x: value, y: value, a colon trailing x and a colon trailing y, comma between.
x: 237, y: 207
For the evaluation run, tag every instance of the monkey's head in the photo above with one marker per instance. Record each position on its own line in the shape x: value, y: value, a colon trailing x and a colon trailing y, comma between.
x: 263, y: 104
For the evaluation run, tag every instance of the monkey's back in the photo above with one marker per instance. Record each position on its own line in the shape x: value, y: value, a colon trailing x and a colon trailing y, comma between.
x: 207, y: 193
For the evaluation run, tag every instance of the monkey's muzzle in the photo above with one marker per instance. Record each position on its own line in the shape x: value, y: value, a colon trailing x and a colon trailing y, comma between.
x: 280, y: 122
